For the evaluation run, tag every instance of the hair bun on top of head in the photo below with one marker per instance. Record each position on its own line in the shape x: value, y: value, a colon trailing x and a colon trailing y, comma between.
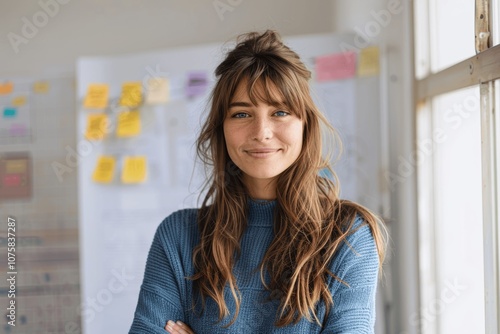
x: 260, y: 42
x: 259, y: 51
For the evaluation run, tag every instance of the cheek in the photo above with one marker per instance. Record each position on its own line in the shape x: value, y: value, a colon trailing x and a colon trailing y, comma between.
x: 298, y: 146
x: 227, y: 133
x: 231, y: 138
x: 295, y: 136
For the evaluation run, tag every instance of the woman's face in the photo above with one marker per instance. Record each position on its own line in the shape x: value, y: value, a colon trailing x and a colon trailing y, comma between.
x: 261, y: 140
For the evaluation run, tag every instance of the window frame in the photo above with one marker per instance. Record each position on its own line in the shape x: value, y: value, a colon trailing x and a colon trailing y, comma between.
x: 483, y: 69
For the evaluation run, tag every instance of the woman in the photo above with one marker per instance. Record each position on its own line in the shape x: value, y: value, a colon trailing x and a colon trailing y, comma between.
x: 272, y: 248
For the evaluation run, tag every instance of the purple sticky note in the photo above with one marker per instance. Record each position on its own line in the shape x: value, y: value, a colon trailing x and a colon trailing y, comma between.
x: 17, y: 130
x: 197, y: 84
x: 336, y: 66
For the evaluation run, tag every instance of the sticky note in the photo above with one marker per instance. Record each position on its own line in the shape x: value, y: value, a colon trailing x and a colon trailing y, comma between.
x: 19, y: 101
x: 97, y: 96
x: 105, y: 169
x: 129, y: 124
x: 18, y: 130
x: 369, y: 61
x: 6, y: 88
x: 97, y: 126
x: 134, y: 169
x: 16, y: 166
x: 197, y: 84
x: 41, y: 87
x: 15, y: 175
x: 157, y: 91
x: 9, y: 112
x: 131, y: 95
x: 336, y: 66
x: 12, y: 180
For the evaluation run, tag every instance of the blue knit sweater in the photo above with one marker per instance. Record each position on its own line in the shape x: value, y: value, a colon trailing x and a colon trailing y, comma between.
x: 167, y: 295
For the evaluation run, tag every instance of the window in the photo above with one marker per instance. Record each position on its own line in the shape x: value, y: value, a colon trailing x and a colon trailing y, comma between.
x: 458, y: 149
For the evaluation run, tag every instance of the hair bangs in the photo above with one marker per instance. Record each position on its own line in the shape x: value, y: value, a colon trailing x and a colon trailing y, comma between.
x: 269, y: 83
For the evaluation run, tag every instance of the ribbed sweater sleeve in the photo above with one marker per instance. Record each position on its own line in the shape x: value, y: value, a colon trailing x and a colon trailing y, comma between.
x: 357, y: 264
x: 159, y: 297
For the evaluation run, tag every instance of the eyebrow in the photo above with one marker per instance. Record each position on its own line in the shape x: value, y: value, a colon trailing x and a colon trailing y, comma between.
x: 248, y: 105
x: 239, y: 104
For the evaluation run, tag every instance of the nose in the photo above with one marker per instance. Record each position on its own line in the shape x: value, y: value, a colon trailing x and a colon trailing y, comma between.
x: 262, y: 129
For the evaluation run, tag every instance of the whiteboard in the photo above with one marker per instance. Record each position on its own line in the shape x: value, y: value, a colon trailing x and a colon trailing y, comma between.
x: 117, y: 221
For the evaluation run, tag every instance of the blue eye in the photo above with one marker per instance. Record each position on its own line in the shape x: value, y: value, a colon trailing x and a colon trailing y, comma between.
x: 240, y: 115
x: 281, y: 113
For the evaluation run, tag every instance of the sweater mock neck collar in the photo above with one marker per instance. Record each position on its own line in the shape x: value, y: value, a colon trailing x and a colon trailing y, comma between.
x: 261, y: 212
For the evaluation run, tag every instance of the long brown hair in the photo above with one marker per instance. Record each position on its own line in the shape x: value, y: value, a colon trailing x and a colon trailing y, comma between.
x: 310, y: 221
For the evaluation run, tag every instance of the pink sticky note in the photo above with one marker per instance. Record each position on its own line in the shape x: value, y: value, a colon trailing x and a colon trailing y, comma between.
x: 12, y: 180
x: 336, y: 66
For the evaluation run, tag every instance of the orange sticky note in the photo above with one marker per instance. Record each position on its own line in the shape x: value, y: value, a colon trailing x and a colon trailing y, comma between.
x: 6, y: 88
x: 97, y: 96
x: 97, y: 126
x: 105, y: 169
x: 134, y: 169
x: 129, y: 124
x: 131, y: 95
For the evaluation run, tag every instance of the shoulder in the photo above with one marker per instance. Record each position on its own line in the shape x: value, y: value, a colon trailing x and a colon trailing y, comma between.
x: 358, y: 232
x: 353, y: 221
x: 361, y: 234
x: 183, y: 216
x: 178, y: 223
x: 358, y: 249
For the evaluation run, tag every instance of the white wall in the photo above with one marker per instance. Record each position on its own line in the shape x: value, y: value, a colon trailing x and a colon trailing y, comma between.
x: 104, y: 27
x: 351, y: 15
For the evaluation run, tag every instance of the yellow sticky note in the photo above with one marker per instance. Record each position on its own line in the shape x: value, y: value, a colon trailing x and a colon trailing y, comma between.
x: 131, y: 94
x: 129, y: 124
x: 105, y: 170
x: 369, y: 61
x: 19, y: 101
x: 6, y: 88
x: 134, y: 169
x: 97, y: 96
x: 157, y: 91
x: 97, y: 126
x: 41, y: 87
x: 16, y: 166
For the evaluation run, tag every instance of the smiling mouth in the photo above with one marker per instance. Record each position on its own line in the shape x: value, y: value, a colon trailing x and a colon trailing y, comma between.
x: 261, y: 153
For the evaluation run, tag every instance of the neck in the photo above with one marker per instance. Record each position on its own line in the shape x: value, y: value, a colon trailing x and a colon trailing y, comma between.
x: 261, y: 188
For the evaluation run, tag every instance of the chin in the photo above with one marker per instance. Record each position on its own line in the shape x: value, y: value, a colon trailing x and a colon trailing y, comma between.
x: 264, y: 175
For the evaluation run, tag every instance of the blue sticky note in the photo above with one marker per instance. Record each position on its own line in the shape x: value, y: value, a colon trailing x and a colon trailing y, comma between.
x: 9, y: 112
